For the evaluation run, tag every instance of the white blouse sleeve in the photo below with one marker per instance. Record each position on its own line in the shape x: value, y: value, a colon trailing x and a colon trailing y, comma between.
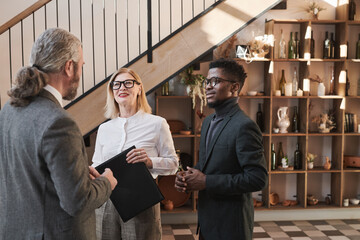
x: 98, y: 156
x: 167, y: 162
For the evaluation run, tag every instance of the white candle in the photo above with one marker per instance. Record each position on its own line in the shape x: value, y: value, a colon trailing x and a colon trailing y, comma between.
x: 288, y: 89
x: 299, y: 93
x: 277, y: 93
x: 306, y: 85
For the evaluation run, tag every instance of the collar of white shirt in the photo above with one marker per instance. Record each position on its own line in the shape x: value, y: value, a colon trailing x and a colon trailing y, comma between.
x: 55, y: 93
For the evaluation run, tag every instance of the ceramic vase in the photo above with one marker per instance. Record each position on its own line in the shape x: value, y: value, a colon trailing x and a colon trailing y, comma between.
x: 283, y: 120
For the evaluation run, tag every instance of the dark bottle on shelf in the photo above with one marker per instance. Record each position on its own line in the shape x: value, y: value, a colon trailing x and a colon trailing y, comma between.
x: 332, y: 46
x: 332, y: 82
x: 273, y: 157
x: 297, y: 46
x: 282, y: 83
x: 280, y: 154
x: 347, y: 85
x: 295, y: 121
x: 352, y: 9
x: 312, y: 46
x: 291, y: 46
x: 358, y: 48
x: 260, y: 118
x: 297, y: 158
x: 327, y: 47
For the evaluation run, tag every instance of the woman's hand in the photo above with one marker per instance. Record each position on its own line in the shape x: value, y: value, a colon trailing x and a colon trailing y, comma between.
x: 139, y: 155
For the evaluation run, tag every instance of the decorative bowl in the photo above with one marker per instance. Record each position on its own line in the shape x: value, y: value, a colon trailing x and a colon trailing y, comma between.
x: 252, y: 93
x: 185, y: 132
x: 354, y: 201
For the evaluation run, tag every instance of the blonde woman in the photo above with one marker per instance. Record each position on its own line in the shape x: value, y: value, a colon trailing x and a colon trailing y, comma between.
x: 132, y: 124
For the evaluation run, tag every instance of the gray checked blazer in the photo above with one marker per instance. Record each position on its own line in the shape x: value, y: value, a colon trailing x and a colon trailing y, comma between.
x: 45, y: 188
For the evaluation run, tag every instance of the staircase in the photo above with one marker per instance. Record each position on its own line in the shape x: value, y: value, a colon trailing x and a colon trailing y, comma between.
x: 102, y: 25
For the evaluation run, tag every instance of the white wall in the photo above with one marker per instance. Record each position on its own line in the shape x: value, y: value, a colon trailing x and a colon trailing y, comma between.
x: 10, y: 8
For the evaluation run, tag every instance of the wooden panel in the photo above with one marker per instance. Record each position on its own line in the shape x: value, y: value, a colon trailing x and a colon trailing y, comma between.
x: 28, y: 34
x: 187, y: 11
x: 342, y: 12
x: 33, y: 8
x: 63, y: 14
x: 143, y: 26
x: 110, y: 37
x: 176, y: 14
x: 39, y: 17
x: 198, y: 7
x: 164, y: 18
x: 16, y: 50
x: 300, y: 190
x: 87, y: 41
x: 75, y: 28
x: 336, y: 186
x: 208, y: 3
x: 5, y: 84
x: 51, y: 15
x: 133, y: 29
x: 99, y: 47
x: 122, y: 41
x: 155, y: 22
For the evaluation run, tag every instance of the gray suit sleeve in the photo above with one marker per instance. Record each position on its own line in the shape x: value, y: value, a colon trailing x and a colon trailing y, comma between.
x: 64, y: 152
x: 250, y: 156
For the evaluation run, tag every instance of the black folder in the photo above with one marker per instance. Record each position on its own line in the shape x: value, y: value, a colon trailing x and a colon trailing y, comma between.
x: 136, y: 190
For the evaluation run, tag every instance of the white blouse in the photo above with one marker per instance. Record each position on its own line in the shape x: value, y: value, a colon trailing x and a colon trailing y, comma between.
x: 143, y: 130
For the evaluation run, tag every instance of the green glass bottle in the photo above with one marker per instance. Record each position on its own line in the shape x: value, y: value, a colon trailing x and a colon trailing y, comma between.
x: 358, y: 48
x: 291, y: 46
x: 327, y: 46
x: 297, y: 158
x: 312, y: 46
x: 273, y: 157
x: 295, y: 121
x: 282, y: 83
x: 280, y: 154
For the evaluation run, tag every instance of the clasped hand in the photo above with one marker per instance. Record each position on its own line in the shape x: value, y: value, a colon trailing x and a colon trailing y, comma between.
x: 190, y: 180
x: 139, y: 155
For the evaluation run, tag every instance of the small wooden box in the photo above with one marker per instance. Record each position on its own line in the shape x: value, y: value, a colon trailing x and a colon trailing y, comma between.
x: 351, y: 161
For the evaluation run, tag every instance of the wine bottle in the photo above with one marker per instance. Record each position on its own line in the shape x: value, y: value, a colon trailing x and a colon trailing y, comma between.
x: 282, y: 46
x: 273, y: 157
x: 280, y: 154
x: 347, y: 85
x: 297, y: 158
x: 295, y: 83
x: 295, y: 121
x: 297, y: 46
x: 332, y: 82
x: 291, y: 47
x: 282, y: 83
x: 332, y: 46
x: 260, y: 118
x: 327, y: 47
x: 358, y: 48
x: 352, y: 9
x: 312, y: 46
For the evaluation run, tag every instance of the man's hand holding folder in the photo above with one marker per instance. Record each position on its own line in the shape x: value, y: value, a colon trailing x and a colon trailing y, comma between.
x: 107, y: 173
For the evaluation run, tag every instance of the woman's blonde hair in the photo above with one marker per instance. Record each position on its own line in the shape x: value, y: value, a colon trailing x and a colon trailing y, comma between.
x: 112, y: 108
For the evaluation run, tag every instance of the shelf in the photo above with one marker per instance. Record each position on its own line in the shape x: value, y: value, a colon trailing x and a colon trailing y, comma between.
x: 183, y: 209
x: 322, y: 205
x: 281, y: 207
x: 352, y: 134
x: 322, y: 170
x: 286, y: 171
x: 183, y: 135
x: 173, y: 97
x: 252, y: 60
x: 256, y: 97
x: 326, y: 97
x: 352, y: 170
x: 288, y: 134
x: 325, y: 134
x: 306, y: 60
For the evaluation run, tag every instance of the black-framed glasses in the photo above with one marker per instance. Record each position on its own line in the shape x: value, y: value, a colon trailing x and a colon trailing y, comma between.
x: 214, y: 81
x: 129, y: 83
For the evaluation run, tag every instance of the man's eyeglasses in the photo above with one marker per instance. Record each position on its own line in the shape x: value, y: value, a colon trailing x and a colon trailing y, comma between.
x: 129, y: 83
x: 214, y: 81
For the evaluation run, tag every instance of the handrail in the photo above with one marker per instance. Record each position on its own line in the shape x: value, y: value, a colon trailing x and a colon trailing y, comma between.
x: 12, y: 22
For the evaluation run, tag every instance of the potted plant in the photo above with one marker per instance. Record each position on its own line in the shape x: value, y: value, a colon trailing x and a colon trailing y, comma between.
x: 310, y: 160
x: 194, y: 83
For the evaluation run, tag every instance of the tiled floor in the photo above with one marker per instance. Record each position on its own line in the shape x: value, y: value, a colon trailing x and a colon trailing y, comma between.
x: 281, y: 230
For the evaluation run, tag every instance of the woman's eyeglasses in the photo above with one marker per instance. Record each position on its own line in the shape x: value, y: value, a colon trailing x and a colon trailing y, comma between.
x: 214, y: 81
x: 129, y: 83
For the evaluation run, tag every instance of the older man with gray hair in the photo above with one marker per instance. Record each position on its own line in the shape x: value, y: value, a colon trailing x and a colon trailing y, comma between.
x: 47, y: 190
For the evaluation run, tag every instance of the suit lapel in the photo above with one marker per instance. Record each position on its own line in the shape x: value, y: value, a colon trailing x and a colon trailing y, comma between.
x: 218, y: 132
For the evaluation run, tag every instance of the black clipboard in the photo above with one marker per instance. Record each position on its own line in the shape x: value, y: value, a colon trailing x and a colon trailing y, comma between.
x: 136, y: 190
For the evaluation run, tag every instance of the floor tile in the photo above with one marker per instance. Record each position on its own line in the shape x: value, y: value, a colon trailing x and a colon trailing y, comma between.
x: 182, y: 232
x: 333, y: 233
x: 290, y: 228
x: 308, y: 228
x: 315, y: 233
x: 184, y: 237
x: 350, y: 232
x: 296, y: 234
x: 301, y: 238
x: 325, y: 227
x: 335, y: 222
x: 318, y: 222
x: 352, y: 221
x: 354, y: 237
x: 179, y: 226
x: 302, y: 223
x: 272, y: 229
x: 268, y: 224
x: 258, y: 229
x: 339, y: 238
x: 284, y: 223
x: 168, y: 237
x: 343, y: 227
x: 355, y: 226
x: 277, y: 234
x: 260, y: 235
